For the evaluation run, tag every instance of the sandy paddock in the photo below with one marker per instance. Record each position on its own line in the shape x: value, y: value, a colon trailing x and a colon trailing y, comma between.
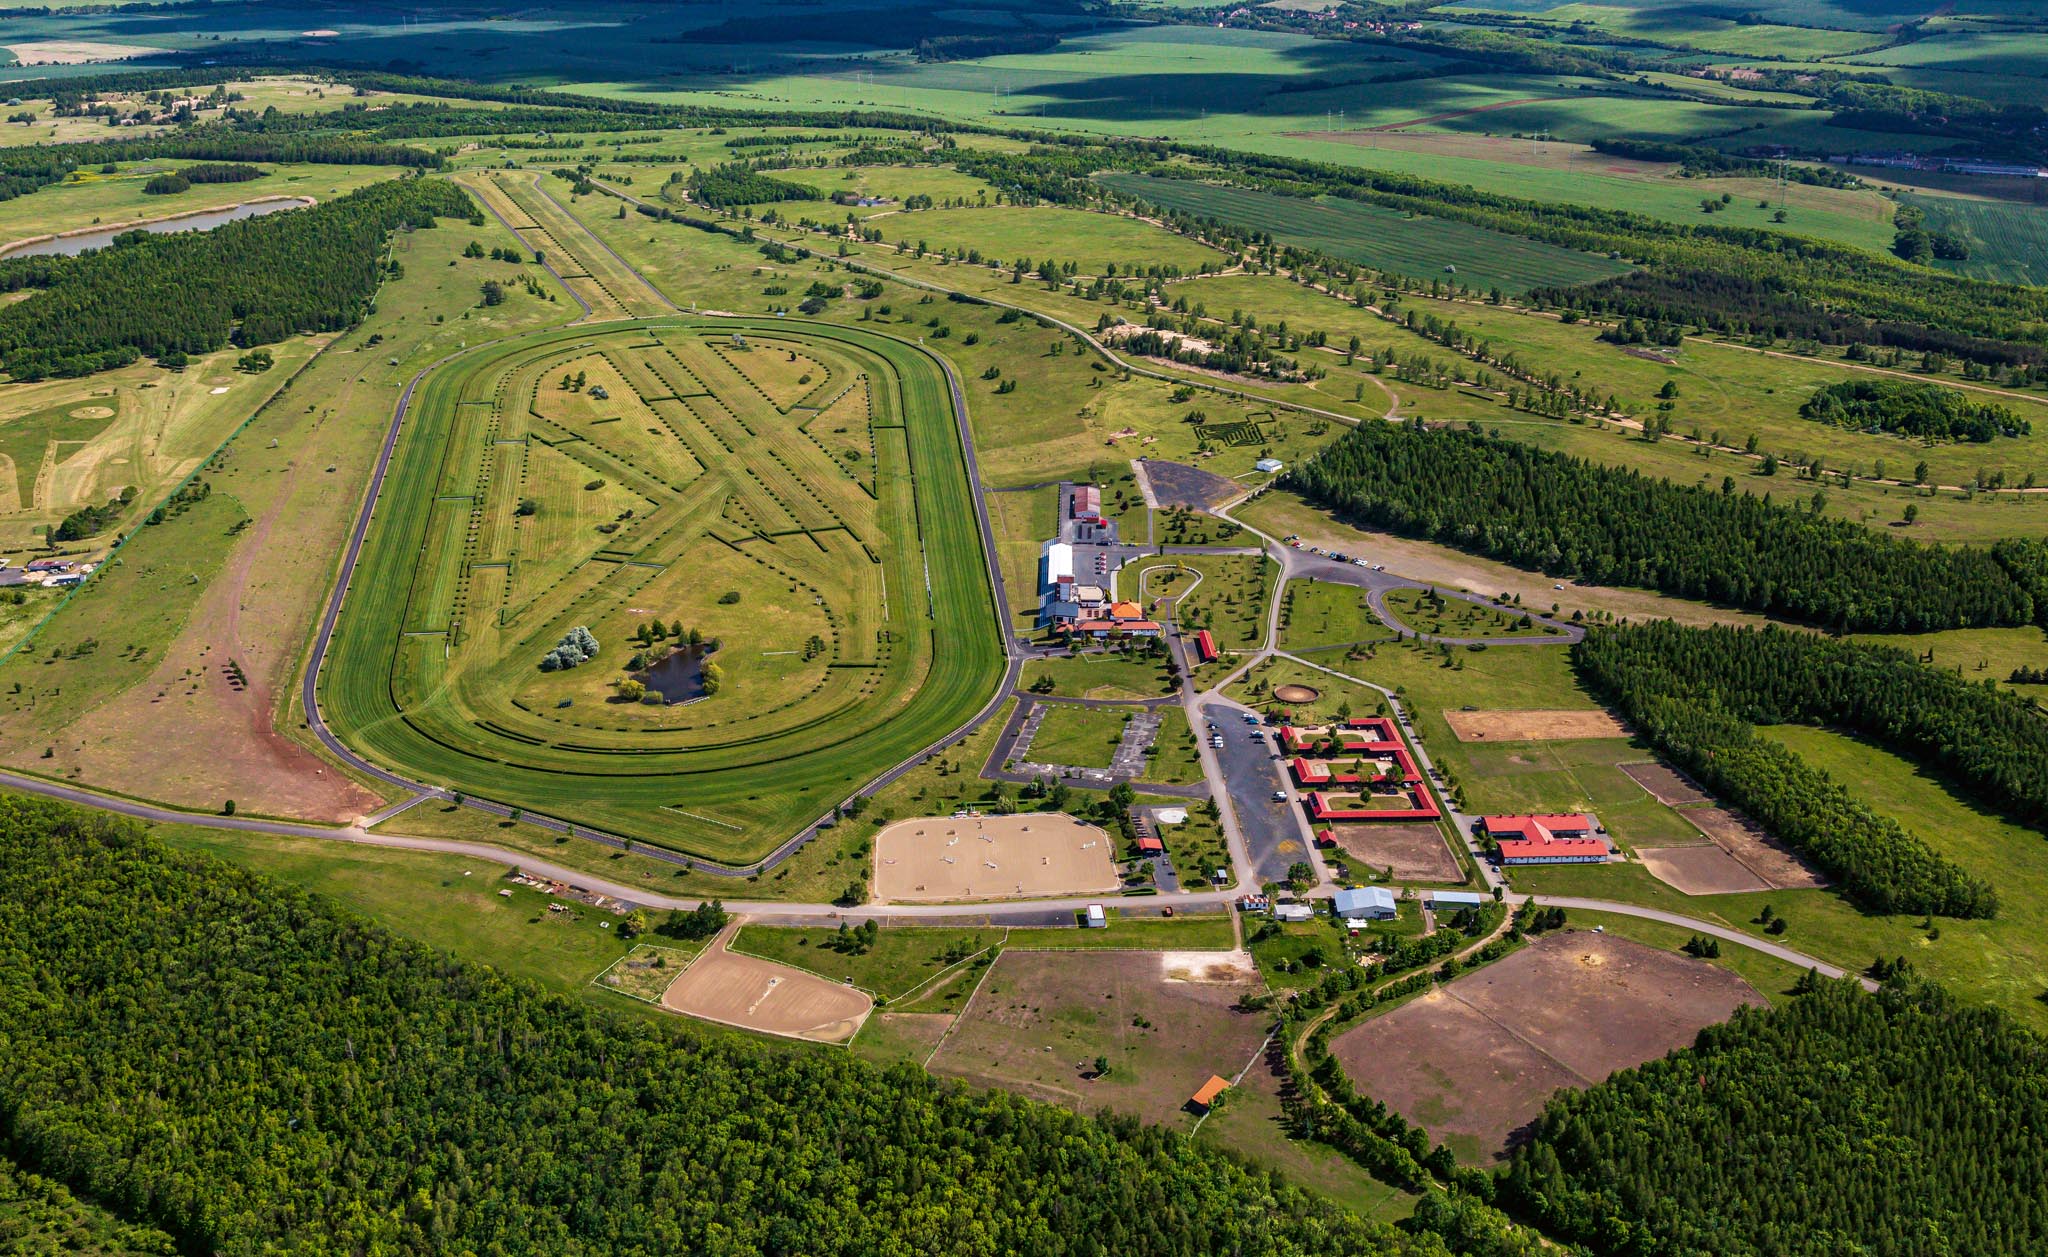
x: 942, y: 858
x: 1753, y: 849
x: 1701, y: 870
x: 1664, y: 784
x: 755, y: 994
x: 1533, y: 726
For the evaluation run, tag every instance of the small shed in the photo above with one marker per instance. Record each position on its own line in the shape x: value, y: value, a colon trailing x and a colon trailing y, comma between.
x: 1293, y: 912
x: 1269, y: 465
x: 1097, y: 919
x: 1206, y: 1095
x: 1373, y: 903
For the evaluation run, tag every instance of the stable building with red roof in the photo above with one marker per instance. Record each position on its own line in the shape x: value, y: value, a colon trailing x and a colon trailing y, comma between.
x: 1556, y: 839
x: 1372, y: 737
x: 1205, y: 647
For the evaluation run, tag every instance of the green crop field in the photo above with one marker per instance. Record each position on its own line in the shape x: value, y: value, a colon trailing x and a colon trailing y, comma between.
x: 2008, y: 240
x: 1421, y: 247
x: 792, y: 493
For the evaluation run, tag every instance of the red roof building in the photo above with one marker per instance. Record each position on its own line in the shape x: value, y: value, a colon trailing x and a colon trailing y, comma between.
x: 1556, y: 839
x: 1210, y: 1090
x: 1150, y: 846
x: 1205, y: 647
x: 1370, y: 737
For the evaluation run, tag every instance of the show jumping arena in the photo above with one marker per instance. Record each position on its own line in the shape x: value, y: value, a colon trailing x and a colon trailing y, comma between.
x: 939, y: 859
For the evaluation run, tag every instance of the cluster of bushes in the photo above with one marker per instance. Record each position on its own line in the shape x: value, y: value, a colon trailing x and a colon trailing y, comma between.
x: 578, y: 646
x: 737, y: 183
x: 1566, y: 516
x: 1697, y: 693
x: 1911, y: 408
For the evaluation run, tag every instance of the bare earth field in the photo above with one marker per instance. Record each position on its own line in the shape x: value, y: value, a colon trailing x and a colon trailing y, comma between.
x: 1700, y: 870
x: 76, y: 52
x: 1474, y: 1061
x: 760, y: 995
x: 1177, y: 484
x: 1533, y: 726
x: 1753, y: 849
x: 1416, y: 852
x: 939, y: 858
x: 1664, y: 784
x: 1041, y: 1018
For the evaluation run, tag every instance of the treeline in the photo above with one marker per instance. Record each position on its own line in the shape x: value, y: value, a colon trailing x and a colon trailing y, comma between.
x: 2026, y: 558
x: 1902, y: 1123
x: 736, y: 183
x: 1991, y: 742
x: 1911, y: 408
x: 38, y: 1217
x: 254, y: 281
x: 405, y: 1102
x: 220, y: 172
x: 1565, y: 516
x: 26, y: 168
x: 1000, y: 44
x: 1698, y: 160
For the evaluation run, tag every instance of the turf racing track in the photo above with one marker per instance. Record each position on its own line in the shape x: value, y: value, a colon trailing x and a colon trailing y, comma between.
x: 726, y: 483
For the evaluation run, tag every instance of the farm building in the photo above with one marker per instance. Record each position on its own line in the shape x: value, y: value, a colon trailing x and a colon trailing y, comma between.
x: 1097, y: 919
x: 1105, y: 628
x: 1148, y: 845
x: 1373, y: 903
x: 1085, y: 502
x: 1359, y: 753
x: 1269, y: 465
x: 1562, y: 839
x: 1444, y: 900
x: 1295, y: 912
x: 1207, y: 1095
x: 1205, y: 647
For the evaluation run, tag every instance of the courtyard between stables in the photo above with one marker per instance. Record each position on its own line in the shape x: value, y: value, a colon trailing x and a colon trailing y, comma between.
x: 691, y: 583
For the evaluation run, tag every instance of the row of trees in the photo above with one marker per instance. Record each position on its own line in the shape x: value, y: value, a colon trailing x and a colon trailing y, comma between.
x: 1900, y: 1123
x: 250, y: 282
x: 1989, y: 741
x: 405, y: 1102
x: 1565, y: 516
x: 1911, y: 408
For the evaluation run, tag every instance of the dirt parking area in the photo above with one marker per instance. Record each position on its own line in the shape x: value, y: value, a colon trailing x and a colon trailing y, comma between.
x: 1533, y: 726
x: 760, y: 995
x: 1474, y: 1061
x: 1162, y: 1022
x: 1700, y: 870
x: 1753, y: 849
x: 1664, y: 784
x: 1177, y: 484
x: 1416, y: 852
x: 941, y: 859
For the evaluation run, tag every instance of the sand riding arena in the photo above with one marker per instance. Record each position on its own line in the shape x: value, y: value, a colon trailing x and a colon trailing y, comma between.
x: 944, y: 858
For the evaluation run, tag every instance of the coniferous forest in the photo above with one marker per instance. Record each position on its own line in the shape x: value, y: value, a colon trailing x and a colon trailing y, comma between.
x: 250, y: 1069
x: 1990, y: 741
x: 1612, y: 526
x: 1902, y: 1124
x: 253, y: 282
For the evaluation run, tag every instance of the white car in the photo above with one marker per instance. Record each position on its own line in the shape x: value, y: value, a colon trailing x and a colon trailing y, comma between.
x: 1279, y: 796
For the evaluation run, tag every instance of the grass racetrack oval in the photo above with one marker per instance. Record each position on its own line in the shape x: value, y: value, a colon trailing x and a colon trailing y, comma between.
x: 797, y: 490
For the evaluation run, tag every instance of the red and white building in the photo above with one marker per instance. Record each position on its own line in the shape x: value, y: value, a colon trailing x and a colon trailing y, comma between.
x: 1562, y: 839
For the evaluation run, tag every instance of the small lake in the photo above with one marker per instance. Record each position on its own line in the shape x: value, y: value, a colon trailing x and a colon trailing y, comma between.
x: 205, y: 220
x: 679, y: 677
